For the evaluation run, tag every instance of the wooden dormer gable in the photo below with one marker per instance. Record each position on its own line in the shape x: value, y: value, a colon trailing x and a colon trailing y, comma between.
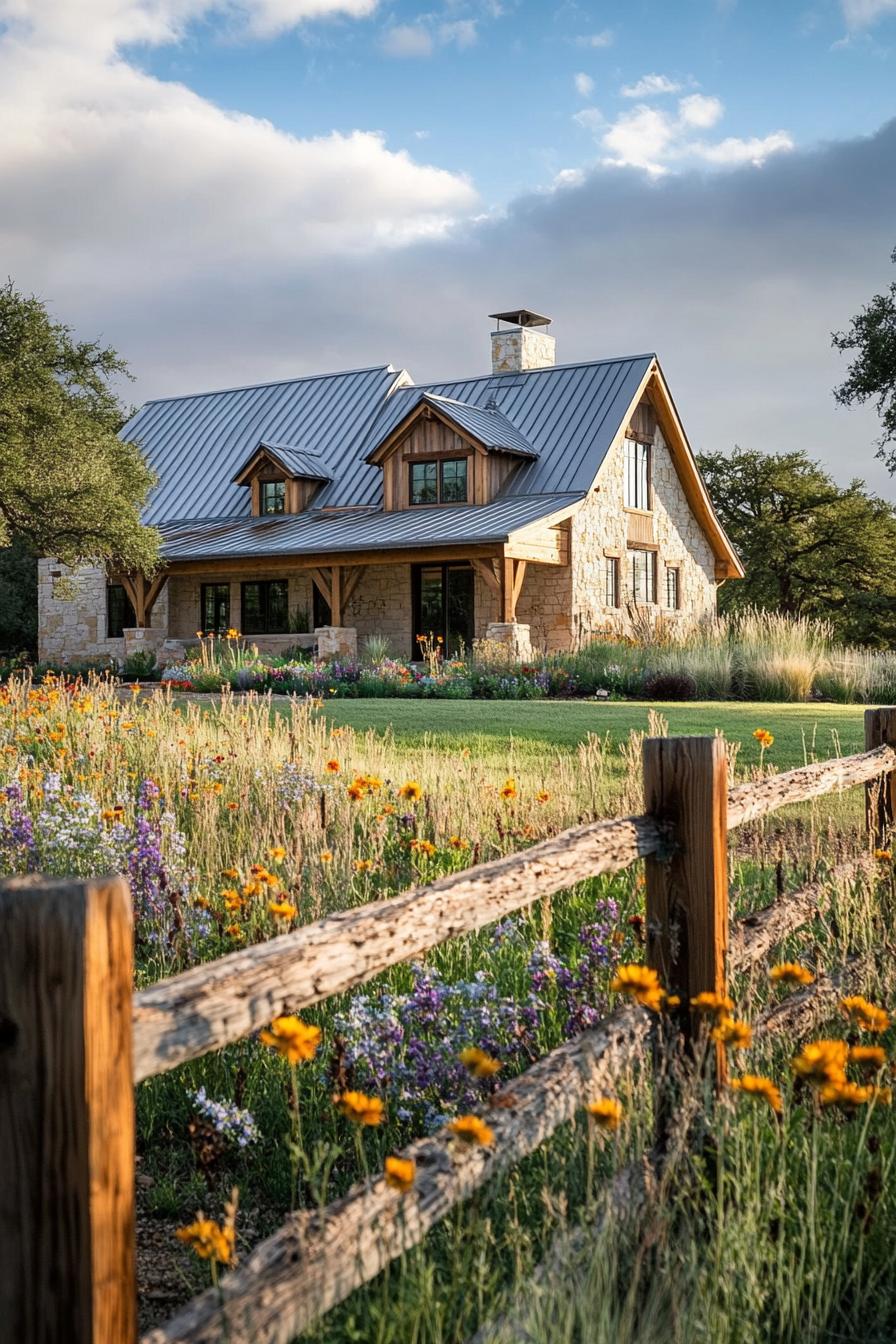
x: 441, y: 433
x: 281, y: 479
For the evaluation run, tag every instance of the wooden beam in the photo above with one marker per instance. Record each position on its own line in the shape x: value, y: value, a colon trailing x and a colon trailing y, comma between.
x: 140, y: 603
x: 336, y: 590
x: 519, y: 573
x: 66, y: 1112
x: 153, y: 591
x: 507, y: 603
x: 487, y: 574
x: 880, y: 794
x: 350, y: 585
x: 321, y: 583
x: 221, y: 566
x: 128, y: 585
x: 686, y: 788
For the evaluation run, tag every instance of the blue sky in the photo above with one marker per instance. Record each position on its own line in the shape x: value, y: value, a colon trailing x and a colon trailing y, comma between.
x: 239, y: 190
x: 490, y: 90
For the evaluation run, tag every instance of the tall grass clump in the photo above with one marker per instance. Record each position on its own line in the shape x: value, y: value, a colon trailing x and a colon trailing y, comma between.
x: 778, y: 657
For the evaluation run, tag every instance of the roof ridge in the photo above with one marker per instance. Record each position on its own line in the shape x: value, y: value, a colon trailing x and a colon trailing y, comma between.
x: 274, y: 382
x: 549, y: 368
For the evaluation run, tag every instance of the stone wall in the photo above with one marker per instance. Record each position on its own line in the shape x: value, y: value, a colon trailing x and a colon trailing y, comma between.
x: 71, y: 605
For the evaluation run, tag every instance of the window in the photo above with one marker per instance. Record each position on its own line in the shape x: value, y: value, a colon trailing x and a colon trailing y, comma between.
x: 119, y: 612
x: 439, y: 482
x: 321, y: 614
x: 673, y: 587
x: 265, y: 607
x: 272, y: 498
x: 611, y: 578
x: 637, y: 474
x: 214, y: 607
x: 642, y: 577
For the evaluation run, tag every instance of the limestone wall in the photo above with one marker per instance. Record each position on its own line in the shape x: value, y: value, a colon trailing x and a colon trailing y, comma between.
x: 72, y: 614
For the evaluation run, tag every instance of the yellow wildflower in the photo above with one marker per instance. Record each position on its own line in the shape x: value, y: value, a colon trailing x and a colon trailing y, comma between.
x: 400, y: 1173
x: 508, y: 789
x: 790, y: 973
x: 277, y: 853
x: 641, y: 982
x: 472, y: 1130
x: 710, y: 1002
x: 821, y: 1062
x: 282, y: 909
x: 606, y: 1112
x: 733, y: 1035
x: 883, y: 855
x: 326, y: 856
x: 868, y: 1058
x: 359, y: 1108
x: 411, y: 790
x: 542, y: 796
x: 764, y: 738
x: 295, y: 1040
x: 865, y: 1015
x: 363, y: 865
x: 208, y: 1239
x: 333, y: 766
x: 480, y: 1064
x: 759, y: 1087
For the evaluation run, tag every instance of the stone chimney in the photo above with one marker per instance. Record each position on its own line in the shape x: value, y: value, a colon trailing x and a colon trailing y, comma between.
x: 525, y: 343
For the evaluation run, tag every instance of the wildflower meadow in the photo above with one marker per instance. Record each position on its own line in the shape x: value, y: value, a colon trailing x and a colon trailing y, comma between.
x: 773, y: 1214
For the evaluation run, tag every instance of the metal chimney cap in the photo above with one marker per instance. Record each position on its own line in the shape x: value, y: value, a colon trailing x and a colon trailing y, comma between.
x: 522, y: 317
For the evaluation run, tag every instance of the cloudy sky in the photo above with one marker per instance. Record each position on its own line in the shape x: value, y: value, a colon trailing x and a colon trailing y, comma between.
x: 240, y: 190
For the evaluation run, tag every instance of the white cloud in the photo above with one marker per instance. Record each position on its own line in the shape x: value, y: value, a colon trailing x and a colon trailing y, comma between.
x: 462, y: 33
x: 408, y: 40
x: 158, y: 186
x: 590, y: 119
x: 421, y: 38
x: 584, y: 85
x: 568, y: 177
x: 596, y: 41
x: 657, y: 140
x: 107, y: 25
x: 700, y: 110
x: 650, y: 86
x: 864, y: 13
x: 732, y: 152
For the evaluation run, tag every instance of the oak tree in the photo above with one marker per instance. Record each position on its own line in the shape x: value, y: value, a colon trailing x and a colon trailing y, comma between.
x: 872, y: 374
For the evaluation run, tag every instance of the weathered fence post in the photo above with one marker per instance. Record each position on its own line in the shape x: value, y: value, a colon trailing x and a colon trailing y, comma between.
x: 880, y: 794
x: 66, y: 1113
x: 686, y: 786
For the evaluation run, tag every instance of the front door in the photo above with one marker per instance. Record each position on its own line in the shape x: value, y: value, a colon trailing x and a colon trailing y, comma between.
x: 443, y: 606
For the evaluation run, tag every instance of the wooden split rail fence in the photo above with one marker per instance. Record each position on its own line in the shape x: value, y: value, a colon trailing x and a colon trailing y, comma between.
x: 75, y: 1038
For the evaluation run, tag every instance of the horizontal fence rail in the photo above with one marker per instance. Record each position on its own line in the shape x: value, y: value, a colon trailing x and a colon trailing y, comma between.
x: 315, y: 1260
x: 214, y: 1004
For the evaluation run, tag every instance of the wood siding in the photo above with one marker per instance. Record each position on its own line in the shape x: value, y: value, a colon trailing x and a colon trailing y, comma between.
x: 430, y: 439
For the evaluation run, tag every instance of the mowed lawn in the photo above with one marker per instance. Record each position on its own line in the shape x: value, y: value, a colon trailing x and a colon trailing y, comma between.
x: 802, y: 732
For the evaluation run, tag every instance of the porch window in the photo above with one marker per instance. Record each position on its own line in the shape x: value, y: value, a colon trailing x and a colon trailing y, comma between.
x: 637, y: 475
x: 442, y: 482
x: 265, y: 607
x: 321, y: 614
x: 120, y: 614
x: 214, y: 607
x: 642, y: 577
x: 272, y: 496
x: 673, y: 587
x: 611, y: 580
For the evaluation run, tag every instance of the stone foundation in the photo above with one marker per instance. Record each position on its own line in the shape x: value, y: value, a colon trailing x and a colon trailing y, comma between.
x: 516, y: 637
x: 337, y: 641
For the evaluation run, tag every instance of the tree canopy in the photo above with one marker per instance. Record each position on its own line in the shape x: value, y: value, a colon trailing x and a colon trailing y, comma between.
x: 69, y: 487
x: 872, y: 374
x: 809, y: 546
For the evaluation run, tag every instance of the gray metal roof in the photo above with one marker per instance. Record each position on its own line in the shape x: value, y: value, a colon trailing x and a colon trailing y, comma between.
x: 488, y: 425
x: 196, y: 444
x: 299, y: 461
x: 568, y: 414
x: 319, y: 531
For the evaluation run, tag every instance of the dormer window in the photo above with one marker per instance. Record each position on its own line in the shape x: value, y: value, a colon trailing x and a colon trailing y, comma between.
x: 272, y: 497
x: 440, y: 482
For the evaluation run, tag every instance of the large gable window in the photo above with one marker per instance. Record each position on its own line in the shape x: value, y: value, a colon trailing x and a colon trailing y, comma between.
x: 265, y: 607
x: 441, y: 482
x: 637, y: 474
x: 272, y: 496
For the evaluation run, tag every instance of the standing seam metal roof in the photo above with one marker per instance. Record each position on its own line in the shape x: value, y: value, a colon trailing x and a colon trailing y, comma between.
x: 317, y: 531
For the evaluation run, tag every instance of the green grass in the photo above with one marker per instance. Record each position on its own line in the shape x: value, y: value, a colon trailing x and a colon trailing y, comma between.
x: 801, y: 731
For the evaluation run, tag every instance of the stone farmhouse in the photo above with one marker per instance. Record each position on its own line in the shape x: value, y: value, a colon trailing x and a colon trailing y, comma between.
x: 536, y: 504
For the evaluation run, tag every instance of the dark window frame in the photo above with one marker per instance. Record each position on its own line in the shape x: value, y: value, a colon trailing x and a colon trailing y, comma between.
x: 120, y: 614
x: 266, y: 623
x: 220, y: 596
x: 439, y: 463
x: 612, y: 597
x: 642, y: 595
x: 673, y: 582
x: 278, y: 483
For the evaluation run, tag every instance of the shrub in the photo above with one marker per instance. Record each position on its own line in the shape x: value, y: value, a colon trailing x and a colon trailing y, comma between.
x: 669, y: 686
x: 139, y: 665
